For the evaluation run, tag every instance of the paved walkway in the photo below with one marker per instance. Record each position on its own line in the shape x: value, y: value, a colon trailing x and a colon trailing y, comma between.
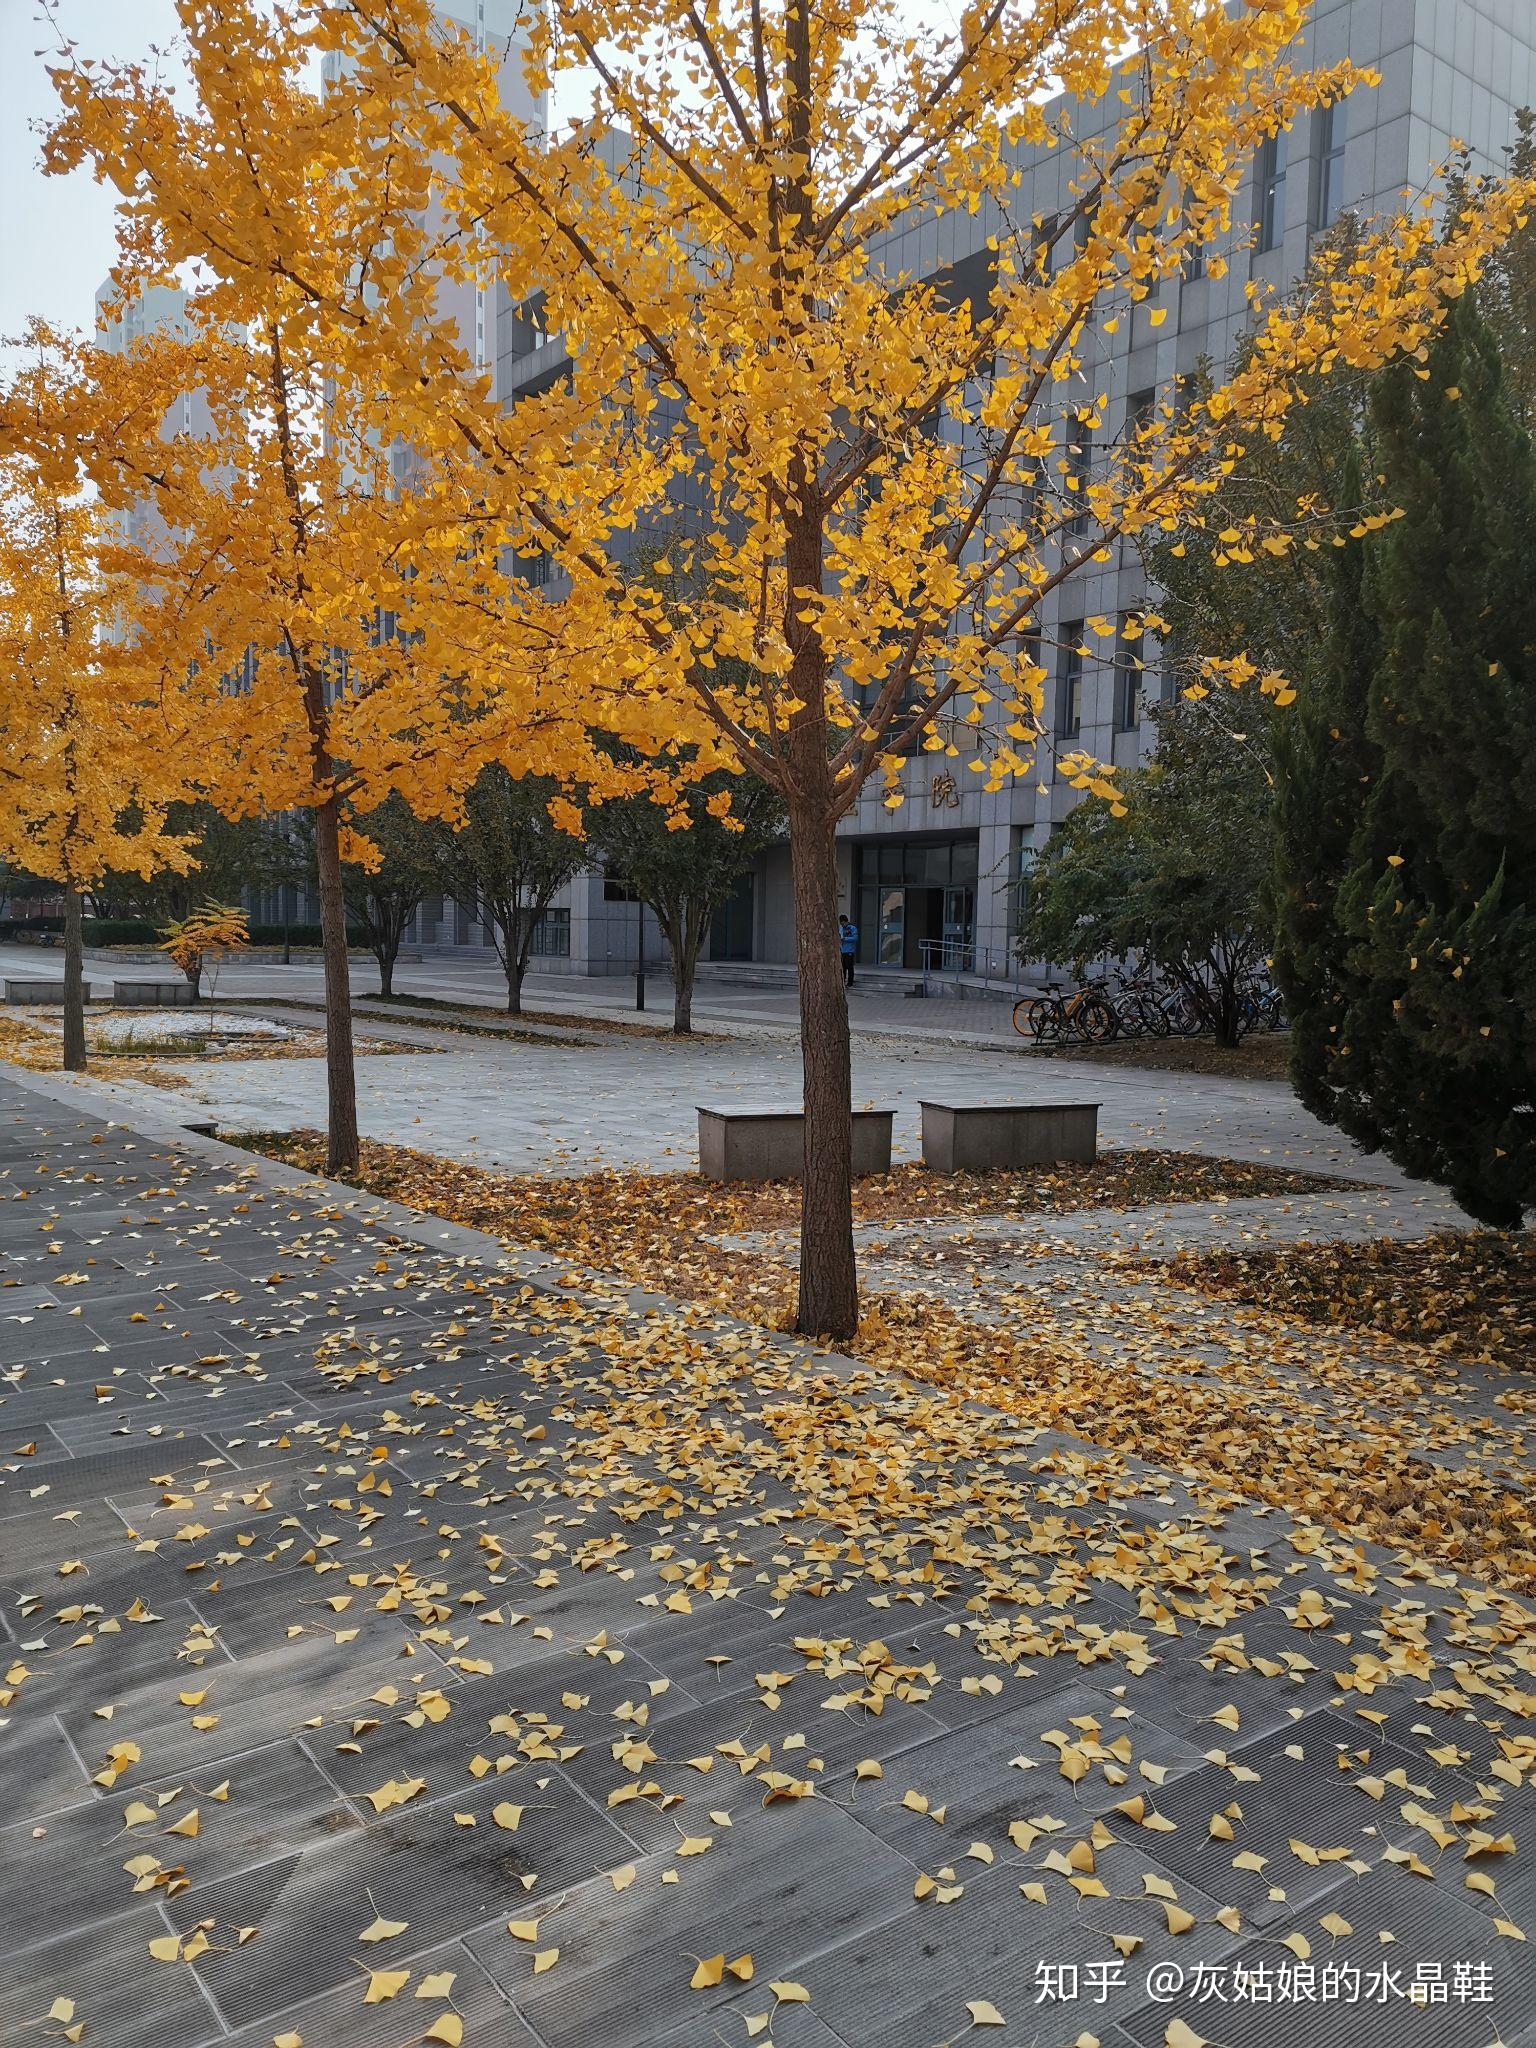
x: 393, y: 1649
x: 723, y: 1000
x: 569, y: 1103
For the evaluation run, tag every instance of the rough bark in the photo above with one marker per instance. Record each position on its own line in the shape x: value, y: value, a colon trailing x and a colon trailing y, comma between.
x: 683, y: 929
x: 74, y: 984
x: 386, y: 962
x: 829, y: 1289
x: 682, y: 997
x: 340, y: 1073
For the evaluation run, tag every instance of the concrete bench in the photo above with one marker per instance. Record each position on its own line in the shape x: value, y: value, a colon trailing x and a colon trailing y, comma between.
x: 769, y: 1144
x: 152, y: 995
x: 38, y: 991
x: 968, y: 1137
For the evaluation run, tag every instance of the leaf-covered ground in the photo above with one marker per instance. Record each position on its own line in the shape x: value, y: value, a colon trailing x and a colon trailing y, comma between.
x: 1469, y: 1296
x: 631, y: 1208
x: 403, y: 1648
x: 1392, y: 1445
x: 1263, y: 1057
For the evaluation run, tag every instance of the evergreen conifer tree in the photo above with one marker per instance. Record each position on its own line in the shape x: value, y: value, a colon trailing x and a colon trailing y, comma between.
x: 1414, y: 979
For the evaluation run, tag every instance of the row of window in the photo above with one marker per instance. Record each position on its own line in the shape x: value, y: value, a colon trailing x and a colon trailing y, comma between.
x: 1129, y: 673
x: 1330, y: 133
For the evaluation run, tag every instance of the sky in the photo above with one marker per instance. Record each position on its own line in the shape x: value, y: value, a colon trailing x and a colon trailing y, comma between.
x: 56, y: 234
x: 56, y: 240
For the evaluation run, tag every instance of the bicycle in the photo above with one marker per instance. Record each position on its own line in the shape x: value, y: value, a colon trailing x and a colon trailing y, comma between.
x: 1053, y: 1017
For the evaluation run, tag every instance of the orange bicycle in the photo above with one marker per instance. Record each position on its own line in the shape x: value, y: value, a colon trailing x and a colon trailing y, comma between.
x: 1055, y: 1017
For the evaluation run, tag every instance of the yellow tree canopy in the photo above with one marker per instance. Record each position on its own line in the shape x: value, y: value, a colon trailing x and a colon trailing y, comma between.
x: 361, y: 625
x: 883, y: 476
x: 97, y: 726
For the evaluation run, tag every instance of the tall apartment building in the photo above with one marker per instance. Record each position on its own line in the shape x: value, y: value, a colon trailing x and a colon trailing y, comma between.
x: 946, y: 866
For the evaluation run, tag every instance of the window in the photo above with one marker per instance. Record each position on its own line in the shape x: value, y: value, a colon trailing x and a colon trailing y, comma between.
x: 1332, y: 128
x: 1079, y: 468
x: 1069, y: 681
x: 1269, y: 184
x: 552, y: 934
x: 616, y: 889
x: 1127, y: 680
x: 1140, y: 411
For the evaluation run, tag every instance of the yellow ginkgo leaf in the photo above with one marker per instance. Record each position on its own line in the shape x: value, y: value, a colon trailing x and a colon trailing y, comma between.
x: 1179, y: 2034
x: 384, y: 1984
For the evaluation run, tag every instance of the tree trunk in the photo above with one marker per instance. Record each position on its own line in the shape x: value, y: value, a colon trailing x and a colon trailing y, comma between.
x: 514, y: 968
x: 683, y: 950
x: 829, y: 1287
x: 74, y: 985
x: 386, y: 961
x: 341, y: 1153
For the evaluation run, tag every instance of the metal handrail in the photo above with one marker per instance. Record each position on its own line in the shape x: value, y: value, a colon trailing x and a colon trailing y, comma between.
x: 971, y: 969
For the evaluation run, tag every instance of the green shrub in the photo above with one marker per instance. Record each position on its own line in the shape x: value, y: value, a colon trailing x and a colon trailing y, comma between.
x: 118, y: 931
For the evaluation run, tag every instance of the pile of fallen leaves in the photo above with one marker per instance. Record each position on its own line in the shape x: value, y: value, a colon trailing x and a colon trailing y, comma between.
x: 1385, y: 1457
x: 619, y: 1208
x: 1264, y: 1056
x: 1468, y: 1296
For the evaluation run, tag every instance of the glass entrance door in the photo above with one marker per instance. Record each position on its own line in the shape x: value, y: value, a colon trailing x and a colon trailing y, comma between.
x: 892, y: 927
x: 959, y: 928
x: 915, y: 899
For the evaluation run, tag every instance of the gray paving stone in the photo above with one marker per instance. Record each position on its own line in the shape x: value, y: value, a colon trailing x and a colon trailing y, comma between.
x: 418, y: 1865
x: 105, y: 1977
x: 1302, y: 1783
x: 341, y: 2019
x: 918, y: 1972
x: 780, y: 1888
x: 1398, y: 1923
x: 723, y: 2026
x: 999, y: 1770
x: 819, y: 1889
x: 77, y: 1480
x: 70, y: 1872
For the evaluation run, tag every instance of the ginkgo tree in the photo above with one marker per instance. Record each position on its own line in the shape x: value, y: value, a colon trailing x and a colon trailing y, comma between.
x: 359, y: 632
x: 96, y: 723
x: 883, y: 477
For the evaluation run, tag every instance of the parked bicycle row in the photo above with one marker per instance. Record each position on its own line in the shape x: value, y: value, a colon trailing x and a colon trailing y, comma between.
x: 1139, y: 1006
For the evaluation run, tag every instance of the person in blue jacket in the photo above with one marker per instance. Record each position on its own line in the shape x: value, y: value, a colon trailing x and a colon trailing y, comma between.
x: 848, y: 933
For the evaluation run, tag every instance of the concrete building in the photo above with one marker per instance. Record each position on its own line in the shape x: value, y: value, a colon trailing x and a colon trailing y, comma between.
x: 945, y: 868
x: 948, y: 864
